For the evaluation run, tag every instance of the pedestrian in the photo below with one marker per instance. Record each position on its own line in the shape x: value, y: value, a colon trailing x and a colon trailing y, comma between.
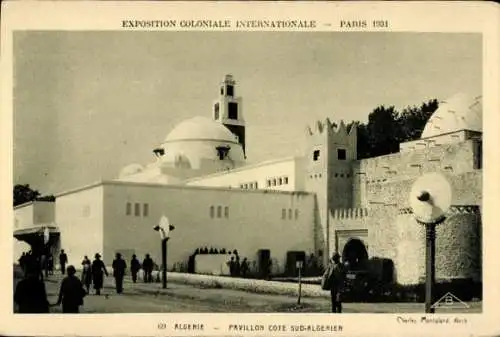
x: 86, y: 273
x: 333, y: 280
x: 63, y: 259
x: 135, y: 266
x: 231, y: 265
x: 98, y: 271
x: 147, y: 267
x: 22, y: 261
x: 71, y: 293
x: 50, y: 264
x: 244, y: 267
x: 119, y: 267
x: 237, y: 266
x: 30, y: 294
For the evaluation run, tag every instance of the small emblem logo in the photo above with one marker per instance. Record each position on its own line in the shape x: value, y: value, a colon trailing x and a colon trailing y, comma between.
x: 449, y: 301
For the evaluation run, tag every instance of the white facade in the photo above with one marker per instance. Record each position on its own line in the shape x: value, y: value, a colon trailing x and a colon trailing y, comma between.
x: 282, y: 175
x: 79, y: 215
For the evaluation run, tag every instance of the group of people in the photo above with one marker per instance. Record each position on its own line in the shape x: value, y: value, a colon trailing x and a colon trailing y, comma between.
x: 30, y: 293
x: 237, y: 269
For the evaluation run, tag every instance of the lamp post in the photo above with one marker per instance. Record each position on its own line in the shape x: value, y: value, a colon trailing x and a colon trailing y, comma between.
x: 430, y: 199
x: 299, y: 265
x: 164, y: 228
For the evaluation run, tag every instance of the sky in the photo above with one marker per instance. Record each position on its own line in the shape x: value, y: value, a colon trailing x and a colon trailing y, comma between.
x: 87, y: 104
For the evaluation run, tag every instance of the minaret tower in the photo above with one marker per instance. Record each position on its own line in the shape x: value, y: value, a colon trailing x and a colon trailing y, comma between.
x: 227, y: 109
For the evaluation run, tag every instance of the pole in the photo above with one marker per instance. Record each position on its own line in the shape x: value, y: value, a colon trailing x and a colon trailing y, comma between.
x: 164, y: 262
x: 300, y: 283
x: 430, y: 252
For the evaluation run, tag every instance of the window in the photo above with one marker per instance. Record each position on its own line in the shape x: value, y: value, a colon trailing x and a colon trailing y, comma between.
x: 219, y: 211
x: 128, y: 211
x: 222, y: 90
x: 290, y: 213
x: 274, y: 182
x: 216, y: 111
x: 230, y: 90
x: 256, y: 185
x: 280, y: 181
x: 137, y: 209
x: 341, y: 154
x: 268, y: 183
x: 283, y: 213
x: 145, y: 210
x: 286, y: 180
x: 232, y: 110
x: 212, y: 211
x: 315, y: 155
x: 226, y: 212
x: 296, y: 214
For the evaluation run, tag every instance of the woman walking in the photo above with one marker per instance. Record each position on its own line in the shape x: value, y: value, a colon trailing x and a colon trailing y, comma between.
x: 98, y: 271
x: 86, y: 273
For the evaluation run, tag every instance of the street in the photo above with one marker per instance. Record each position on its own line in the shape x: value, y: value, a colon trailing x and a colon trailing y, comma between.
x: 150, y: 298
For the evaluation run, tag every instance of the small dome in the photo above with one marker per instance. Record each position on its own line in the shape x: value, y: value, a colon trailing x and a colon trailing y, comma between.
x: 131, y: 169
x: 201, y: 128
x: 460, y: 112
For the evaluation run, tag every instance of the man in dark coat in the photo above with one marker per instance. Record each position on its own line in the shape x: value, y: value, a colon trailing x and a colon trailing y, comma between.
x: 119, y: 267
x: 71, y: 293
x: 63, y: 259
x: 135, y: 266
x: 147, y: 267
x: 98, y: 271
x: 336, y: 281
x: 30, y: 294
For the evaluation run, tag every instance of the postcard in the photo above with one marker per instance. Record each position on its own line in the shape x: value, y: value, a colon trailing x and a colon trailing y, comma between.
x: 249, y: 168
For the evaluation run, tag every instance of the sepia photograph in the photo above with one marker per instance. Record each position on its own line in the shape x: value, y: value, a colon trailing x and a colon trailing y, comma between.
x: 234, y: 173
x: 227, y: 171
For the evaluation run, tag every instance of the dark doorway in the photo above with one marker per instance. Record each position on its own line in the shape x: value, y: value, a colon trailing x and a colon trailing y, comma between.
x: 355, y: 254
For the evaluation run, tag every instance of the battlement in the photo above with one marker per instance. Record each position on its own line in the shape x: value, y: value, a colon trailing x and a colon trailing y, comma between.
x: 327, y: 126
x: 350, y: 213
x: 454, y: 210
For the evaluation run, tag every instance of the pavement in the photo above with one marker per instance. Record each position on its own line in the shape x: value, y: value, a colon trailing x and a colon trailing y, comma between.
x: 150, y: 298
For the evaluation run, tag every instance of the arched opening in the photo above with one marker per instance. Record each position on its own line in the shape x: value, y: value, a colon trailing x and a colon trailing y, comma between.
x: 355, y: 254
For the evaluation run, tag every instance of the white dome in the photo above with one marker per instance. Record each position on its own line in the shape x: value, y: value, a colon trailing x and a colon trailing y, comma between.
x: 201, y: 128
x: 460, y: 112
x: 131, y: 169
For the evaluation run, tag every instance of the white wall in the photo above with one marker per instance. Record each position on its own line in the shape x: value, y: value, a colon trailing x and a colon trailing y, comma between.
x: 259, y: 173
x: 79, y: 216
x: 254, y: 221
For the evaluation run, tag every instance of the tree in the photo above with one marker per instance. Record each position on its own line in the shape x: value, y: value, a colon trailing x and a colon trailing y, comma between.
x: 386, y: 128
x: 24, y: 194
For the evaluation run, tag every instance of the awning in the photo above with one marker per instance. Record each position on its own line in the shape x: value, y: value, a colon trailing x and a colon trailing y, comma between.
x: 37, y: 229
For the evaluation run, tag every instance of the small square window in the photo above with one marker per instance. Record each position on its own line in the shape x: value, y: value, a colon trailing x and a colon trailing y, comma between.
x: 212, y: 211
x: 230, y: 90
x: 256, y: 185
x: 226, y: 212
x: 128, y: 211
x: 137, y: 209
x: 274, y: 182
x: 283, y: 213
x: 280, y: 181
x: 341, y: 154
x: 268, y: 183
x: 219, y: 211
x: 296, y: 214
x: 289, y: 214
x: 286, y: 180
x: 145, y: 209
x: 315, y: 155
